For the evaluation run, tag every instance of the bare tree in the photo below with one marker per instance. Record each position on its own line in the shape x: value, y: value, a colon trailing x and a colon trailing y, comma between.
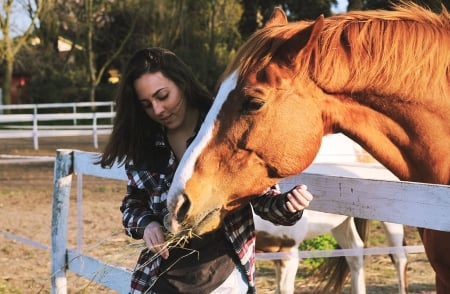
x: 97, y: 16
x: 10, y: 44
x: 97, y: 31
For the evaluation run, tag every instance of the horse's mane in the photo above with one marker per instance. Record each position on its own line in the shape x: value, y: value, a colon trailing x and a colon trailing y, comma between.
x: 383, y: 52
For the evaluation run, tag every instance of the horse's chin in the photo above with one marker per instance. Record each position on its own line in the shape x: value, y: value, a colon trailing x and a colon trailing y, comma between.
x: 198, y: 226
x: 211, y: 222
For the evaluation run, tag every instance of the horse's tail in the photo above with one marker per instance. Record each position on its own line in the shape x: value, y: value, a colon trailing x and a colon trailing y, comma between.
x: 334, y: 271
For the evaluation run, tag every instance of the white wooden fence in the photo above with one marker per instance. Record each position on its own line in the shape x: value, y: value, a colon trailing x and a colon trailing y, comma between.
x: 414, y: 204
x: 69, y: 126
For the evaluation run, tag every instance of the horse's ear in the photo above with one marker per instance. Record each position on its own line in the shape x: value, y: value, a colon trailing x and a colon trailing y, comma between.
x: 278, y: 17
x: 316, y: 29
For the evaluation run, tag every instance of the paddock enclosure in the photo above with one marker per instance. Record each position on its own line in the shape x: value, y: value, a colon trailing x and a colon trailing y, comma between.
x: 29, y: 273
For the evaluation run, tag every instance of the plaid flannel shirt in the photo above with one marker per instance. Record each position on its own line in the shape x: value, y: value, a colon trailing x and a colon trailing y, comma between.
x: 145, y: 201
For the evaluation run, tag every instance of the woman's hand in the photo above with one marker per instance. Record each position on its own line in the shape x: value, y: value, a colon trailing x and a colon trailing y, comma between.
x: 154, y: 239
x: 298, y: 198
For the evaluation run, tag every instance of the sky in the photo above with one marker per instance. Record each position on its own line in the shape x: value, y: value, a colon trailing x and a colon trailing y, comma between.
x: 341, y: 7
x: 20, y: 19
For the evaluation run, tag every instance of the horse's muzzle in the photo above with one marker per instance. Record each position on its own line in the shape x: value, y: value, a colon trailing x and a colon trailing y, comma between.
x: 172, y: 221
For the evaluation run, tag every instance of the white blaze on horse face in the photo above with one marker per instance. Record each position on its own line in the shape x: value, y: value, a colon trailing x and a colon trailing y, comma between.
x: 186, y: 167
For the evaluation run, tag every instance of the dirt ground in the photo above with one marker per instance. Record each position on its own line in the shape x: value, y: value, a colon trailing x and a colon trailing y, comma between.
x: 25, y: 221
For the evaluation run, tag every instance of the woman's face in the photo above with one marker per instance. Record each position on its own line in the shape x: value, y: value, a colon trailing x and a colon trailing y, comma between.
x: 161, y: 99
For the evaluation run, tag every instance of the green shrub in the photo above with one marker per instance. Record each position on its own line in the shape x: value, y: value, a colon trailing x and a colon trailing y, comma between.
x: 323, y: 242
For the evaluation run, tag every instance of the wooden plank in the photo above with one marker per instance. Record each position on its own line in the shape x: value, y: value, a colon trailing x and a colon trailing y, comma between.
x: 57, y: 105
x: 413, y: 204
x: 7, y: 118
x: 85, y: 164
x: 51, y: 133
x: 113, y: 277
x: 69, y: 133
x: 72, y: 116
x: 56, y: 127
x: 7, y: 134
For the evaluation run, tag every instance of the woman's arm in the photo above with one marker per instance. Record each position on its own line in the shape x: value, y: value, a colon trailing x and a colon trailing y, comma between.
x: 138, y: 209
x: 282, y: 209
x: 136, y: 214
x: 142, y: 215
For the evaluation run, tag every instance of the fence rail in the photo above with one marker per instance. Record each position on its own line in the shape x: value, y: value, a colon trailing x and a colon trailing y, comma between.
x: 414, y: 204
x: 67, y: 122
x: 73, y: 105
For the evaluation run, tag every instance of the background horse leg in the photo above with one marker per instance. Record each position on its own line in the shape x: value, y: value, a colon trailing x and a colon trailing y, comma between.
x: 278, y: 269
x: 274, y: 238
x: 395, y: 237
x: 286, y: 271
x: 347, y: 236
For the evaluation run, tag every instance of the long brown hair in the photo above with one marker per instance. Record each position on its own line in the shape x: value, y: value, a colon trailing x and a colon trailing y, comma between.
x: 132, y: 128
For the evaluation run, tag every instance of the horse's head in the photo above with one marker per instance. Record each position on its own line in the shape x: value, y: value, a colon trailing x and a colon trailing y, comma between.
x: 249, y: 140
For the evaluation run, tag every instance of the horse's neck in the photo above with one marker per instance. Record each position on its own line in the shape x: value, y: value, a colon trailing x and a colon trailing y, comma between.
x: 408, y: 138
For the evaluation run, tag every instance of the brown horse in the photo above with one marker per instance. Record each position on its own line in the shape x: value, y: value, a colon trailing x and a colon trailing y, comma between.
x: 381, y: 78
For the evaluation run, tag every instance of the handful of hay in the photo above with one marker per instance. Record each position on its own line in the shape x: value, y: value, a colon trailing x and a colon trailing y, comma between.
x: 172, y: 241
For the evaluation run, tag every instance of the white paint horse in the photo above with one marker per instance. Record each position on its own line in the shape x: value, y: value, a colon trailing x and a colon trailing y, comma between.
x: 272, y: 238
x: 313, y: 224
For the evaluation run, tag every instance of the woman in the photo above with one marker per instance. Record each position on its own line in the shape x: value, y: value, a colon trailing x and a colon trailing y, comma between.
x: 160, y: 107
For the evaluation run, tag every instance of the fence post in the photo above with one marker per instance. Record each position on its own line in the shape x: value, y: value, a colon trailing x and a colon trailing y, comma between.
x: 1, y: 101
x: 62, y: 182
x: 74, y: 110
x: 94, y: 129
x: 112, y: 110
x: 35, y: 131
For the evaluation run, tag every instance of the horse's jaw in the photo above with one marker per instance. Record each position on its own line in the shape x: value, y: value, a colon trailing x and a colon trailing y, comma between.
x: 195, y: 223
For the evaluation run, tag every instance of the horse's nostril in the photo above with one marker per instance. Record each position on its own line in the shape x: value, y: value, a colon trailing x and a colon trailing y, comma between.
x: 183, y: 209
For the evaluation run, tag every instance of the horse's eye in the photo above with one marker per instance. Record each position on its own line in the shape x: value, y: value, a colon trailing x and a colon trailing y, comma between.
x: 251, y: 104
